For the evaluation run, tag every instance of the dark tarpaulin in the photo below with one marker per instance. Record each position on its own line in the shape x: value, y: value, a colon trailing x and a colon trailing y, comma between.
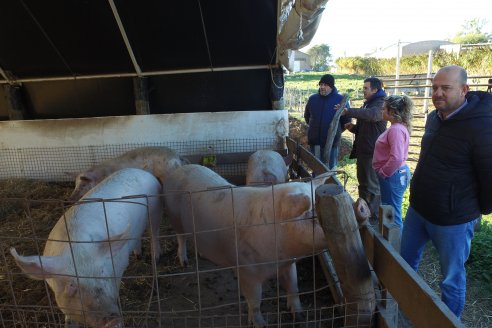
x: 69, y: 38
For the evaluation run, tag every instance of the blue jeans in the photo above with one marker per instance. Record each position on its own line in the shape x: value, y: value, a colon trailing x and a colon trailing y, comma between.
x: 453, y: 247
x: 333, y: 156
x: 392, y: 189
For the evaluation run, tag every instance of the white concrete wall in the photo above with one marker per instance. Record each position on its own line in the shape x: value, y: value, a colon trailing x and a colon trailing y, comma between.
x: 142, y: 128
x: 53, y: 149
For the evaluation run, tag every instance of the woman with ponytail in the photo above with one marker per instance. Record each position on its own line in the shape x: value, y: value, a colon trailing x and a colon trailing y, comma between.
x: 391, y: 153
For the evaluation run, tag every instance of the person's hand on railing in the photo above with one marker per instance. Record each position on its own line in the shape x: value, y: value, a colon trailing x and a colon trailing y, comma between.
x: 344, y: 110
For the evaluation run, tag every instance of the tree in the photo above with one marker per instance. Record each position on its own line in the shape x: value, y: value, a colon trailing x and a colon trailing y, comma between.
x: 472, y: 32
x: 320, y: 57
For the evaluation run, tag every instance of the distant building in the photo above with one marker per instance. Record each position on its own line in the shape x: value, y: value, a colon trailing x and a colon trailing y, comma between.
x: 423, y: 47
x: 302, y: 61
x: 410, y: 49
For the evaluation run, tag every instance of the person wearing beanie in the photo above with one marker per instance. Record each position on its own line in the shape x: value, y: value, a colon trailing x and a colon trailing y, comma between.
x: 319, y: 112
x: 370, y: 124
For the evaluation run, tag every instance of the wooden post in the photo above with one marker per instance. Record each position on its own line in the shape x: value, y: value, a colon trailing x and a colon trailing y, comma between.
x: 141, y: 92
x: 390, y: 232
x: 15, y: 104
x: 336, y: 215
x: 387, y: 226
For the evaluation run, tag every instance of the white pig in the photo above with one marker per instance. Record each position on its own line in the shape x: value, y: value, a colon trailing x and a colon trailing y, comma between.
x: 267, y: 166
x: 88, y: 249
x: 157, y: 160
x: 272, y: 226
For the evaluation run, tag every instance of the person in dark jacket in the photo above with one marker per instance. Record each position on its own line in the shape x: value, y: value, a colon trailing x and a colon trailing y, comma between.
x: 452, y: 183
x: 319, y: 112
x: 370, y: 124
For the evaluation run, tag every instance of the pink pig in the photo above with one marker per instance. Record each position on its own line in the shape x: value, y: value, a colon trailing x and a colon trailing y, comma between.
x: 88, y: 249
x: 261, y: 229
x: 267, y: 167
x: 159, y: 161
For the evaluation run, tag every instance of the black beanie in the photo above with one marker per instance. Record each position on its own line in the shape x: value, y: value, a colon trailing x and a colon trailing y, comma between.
x: 328, y: 79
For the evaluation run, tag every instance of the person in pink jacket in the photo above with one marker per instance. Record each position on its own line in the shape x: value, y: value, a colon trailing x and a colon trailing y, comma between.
x: 391, y: 153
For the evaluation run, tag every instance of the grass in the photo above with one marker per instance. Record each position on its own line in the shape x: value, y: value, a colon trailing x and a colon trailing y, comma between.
x: 478, y: 308
x: 309, y: 81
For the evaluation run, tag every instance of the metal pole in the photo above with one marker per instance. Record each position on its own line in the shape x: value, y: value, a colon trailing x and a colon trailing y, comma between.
x: 397, y: 75
x: 125, y: 37
x: 151, y: 73
x: 427, y: 84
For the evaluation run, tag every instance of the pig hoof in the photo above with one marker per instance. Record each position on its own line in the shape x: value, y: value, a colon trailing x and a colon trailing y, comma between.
x: 300, y: 319
x: 183, y: 262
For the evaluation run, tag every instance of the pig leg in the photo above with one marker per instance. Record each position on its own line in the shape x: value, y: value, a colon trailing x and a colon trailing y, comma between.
x: 137, y: 251
x: 155, y: 217
x: 251, y: 291
x: 182, y: 250
x: 70, y: 324
x: 288, y: 281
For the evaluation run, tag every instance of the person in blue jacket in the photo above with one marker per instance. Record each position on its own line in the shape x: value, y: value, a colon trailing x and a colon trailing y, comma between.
x: 319, y: 112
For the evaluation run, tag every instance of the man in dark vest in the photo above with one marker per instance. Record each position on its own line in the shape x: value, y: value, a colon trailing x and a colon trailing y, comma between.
x: 452, y: 183
x: 370, y: 124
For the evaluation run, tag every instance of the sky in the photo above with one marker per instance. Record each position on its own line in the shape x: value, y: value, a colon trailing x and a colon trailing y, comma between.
x: 356, y: 27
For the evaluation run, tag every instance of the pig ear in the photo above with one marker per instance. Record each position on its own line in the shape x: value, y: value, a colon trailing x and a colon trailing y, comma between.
x: 39, y: 267
x: 288, y: 159
x: 294, y: 205
x: 86, y: 176
x: 72, y: 175
x: 117, y: 242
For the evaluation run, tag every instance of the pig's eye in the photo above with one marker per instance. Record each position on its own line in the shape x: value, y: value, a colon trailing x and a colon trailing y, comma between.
x: 72, y: 288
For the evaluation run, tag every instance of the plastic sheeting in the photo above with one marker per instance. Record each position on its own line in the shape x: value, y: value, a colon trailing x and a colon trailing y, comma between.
x: 298, y: 23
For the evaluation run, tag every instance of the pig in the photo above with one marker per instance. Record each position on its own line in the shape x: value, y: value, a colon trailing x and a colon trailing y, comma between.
x: 85, y: 255
x: 159, y: 161
x: 255, y: 229
x: 267, y: 166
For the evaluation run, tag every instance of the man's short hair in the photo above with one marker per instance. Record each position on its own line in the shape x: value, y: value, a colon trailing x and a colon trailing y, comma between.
x: 374, y: 82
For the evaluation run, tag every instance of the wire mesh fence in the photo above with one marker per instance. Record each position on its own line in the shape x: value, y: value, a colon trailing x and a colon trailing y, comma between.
x: 152, y: 294
x: 63, y: 163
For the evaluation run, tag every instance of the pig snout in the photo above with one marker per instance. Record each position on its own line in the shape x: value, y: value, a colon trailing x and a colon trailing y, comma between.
x: 361, y: 210
x: 112, y: 321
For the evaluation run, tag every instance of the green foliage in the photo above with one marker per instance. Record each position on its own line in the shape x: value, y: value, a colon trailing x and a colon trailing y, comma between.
x: 472, y: 32
x: 366, y: 66
x: 320, y: 57
x: 477, y: 60
x: 345, y: 83
x: 479, y: 264
x: 471, y: 38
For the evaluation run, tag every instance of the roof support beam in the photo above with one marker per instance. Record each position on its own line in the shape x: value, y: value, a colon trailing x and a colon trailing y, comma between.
x: 125, y: 38
x: 15, y: 103
x: 141, y: 94
x: 153, y: 73
x: 2, y: 72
